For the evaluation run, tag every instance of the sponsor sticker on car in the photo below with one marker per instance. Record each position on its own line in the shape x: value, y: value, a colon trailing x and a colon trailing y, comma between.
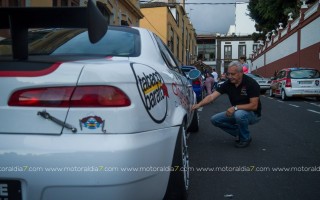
x: 152, y: 90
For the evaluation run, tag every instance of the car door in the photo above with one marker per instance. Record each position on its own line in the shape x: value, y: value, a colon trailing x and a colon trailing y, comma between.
x: 277, y: 83
x: 182, y: 88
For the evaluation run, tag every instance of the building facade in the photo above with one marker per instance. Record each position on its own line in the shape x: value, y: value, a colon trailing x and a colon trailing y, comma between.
x: 207, y: 50
x: 217, y: 51
x: 170, y: 22
x: 296, y: 45
x: 231, y: 48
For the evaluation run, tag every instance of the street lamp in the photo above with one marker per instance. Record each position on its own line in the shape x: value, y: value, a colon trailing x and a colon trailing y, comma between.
x: 304, y: 5
x: 267, y: 37
x: 260, y: 42
x: 290, y: 16
x: 280, y: 26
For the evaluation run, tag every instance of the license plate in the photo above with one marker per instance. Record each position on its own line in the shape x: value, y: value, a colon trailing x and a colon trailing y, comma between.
x: 10, y: 190
x: 261, y: 81
x: 311, y: 91
x: 305, y: 82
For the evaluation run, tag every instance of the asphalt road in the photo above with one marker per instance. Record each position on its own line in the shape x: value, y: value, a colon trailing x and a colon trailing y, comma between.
x: 282, y: 162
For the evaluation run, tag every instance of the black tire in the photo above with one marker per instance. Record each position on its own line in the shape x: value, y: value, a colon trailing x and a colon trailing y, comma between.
x: 179, y: 177
x: 194, y: 125
x: 271, y: 93
x: 283, y: 95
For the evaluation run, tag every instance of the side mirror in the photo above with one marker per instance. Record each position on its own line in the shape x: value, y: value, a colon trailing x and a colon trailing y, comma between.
x: 194, y: 74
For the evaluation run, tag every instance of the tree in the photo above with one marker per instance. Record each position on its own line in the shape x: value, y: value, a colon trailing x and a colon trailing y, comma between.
x: 269, y: 13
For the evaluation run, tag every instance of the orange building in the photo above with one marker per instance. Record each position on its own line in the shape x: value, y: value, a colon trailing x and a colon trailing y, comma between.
x: 170, y: 22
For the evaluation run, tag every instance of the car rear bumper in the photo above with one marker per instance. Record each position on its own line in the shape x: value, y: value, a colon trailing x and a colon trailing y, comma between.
x: 84, y: 166
x: 302, y: 92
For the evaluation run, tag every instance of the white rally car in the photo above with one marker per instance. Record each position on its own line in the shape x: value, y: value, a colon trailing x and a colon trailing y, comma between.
x: 82, y: 120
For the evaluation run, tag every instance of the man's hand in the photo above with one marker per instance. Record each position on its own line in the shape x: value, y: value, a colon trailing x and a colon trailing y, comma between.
x: 206, y: 100
x: 230, y: 111
x: 195, y: 106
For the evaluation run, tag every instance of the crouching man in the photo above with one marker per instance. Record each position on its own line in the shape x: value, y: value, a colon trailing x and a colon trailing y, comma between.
x: 243, y: 93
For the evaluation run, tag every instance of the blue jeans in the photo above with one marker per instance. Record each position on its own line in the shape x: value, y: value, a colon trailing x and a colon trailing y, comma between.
x: 236, y: 125
x: 215, y: 85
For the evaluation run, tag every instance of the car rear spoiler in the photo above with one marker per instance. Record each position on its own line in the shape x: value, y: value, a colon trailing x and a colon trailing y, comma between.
x: 19, y: 19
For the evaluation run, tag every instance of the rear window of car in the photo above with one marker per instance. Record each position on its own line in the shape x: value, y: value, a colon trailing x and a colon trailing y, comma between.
x: 123, y: 42
x: 186, y: 70
x: 304, y: 74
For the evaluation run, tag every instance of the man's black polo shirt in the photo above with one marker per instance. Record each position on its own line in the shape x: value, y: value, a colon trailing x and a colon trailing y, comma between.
x: 247, y: 89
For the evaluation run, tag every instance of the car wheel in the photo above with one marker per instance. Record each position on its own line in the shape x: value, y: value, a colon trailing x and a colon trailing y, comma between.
x: 271, y: 93
x: 283, y: 95
x: 194, y: 125
x: 179, y: 176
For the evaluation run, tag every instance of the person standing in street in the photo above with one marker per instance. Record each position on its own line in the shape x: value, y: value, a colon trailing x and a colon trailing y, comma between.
x: 245, y: 66
x: 245, y: 110
x: 209, y: 83
x: 215, y: 76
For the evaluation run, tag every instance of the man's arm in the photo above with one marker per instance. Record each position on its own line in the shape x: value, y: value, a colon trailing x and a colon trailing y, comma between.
x: 251, y: 106
x: 206, y: 100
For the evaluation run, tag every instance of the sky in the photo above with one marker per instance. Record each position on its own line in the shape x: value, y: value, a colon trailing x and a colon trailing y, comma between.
x: 210, y: 19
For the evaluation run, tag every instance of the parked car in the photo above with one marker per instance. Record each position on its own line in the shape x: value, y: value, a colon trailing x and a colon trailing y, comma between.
x: 296, y: 82
x: 91, y: 120
x: 263, y: 82
x: 197, y: 84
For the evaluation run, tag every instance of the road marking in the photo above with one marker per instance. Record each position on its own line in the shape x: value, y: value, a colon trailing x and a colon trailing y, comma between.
x: 270, y: 98
x: 315, y: 104
x: 200, y: 109
x: 280, y: 101
x: 294, y: 105
x: 313, y: 111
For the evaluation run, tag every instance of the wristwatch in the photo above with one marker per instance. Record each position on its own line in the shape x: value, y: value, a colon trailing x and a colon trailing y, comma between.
x: 235, y: 108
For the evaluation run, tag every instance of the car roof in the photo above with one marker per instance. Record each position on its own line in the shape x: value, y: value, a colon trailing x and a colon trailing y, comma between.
x: 298, y: 68
x: 188, y: 67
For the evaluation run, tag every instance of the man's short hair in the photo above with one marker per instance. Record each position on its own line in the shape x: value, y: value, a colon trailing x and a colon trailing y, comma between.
x: 236, y: 64
x: 243, y: 58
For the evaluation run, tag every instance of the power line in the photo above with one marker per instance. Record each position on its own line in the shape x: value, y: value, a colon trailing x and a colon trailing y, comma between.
x: 197, y: 3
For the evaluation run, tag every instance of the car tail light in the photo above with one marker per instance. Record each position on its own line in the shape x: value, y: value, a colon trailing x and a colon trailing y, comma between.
x: 196, y: 82
x: 48, y: 97
x: 288, y: 82
x: 83, y: 96
x: 99, y: 96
